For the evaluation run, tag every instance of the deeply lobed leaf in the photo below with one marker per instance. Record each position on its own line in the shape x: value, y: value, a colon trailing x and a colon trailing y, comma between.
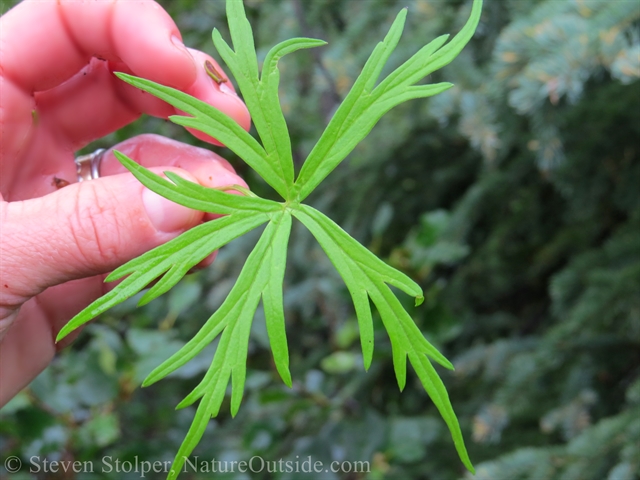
x: 193, y: 195
x: 260, y: 93
x: 181, y: 253
x: 364, y: 105
x: 366, y: 276
x: 213, y: 122
x: 257, y: 279
x: 365, y: 279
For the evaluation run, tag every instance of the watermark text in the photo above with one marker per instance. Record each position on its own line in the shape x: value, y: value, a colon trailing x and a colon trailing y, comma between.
x: 196, y: 464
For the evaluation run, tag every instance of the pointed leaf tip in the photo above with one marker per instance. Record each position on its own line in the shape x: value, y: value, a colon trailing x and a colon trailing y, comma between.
x: 286, y: 378
x: 448, y: 365
x: 62, y: 333
x: 151, y: 379
x: 110, y: 278
x: 367, y: 363
x: 419, y: 300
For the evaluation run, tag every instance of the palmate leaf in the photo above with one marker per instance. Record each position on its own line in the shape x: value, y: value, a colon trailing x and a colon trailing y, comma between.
x: 367, y: 278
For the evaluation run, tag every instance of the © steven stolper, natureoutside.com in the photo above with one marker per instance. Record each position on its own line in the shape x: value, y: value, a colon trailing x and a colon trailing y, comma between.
x: 365, y: 275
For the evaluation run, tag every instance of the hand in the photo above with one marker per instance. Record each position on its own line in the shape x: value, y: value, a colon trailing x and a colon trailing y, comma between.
x: 58, y: 238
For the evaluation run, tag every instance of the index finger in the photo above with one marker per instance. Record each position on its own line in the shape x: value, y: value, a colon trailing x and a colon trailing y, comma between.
x: 43, y: 44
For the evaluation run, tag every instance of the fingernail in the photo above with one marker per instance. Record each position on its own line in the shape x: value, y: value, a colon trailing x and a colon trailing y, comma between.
x: 226, y: 89
x: 218, y: 78
x: 165, y: 215
x: 180, y: 46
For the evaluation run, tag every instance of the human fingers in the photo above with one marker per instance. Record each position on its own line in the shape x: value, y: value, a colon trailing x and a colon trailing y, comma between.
x: 69, y: 34
x: 79, y: 231
x: 38, y: 66
x: 93, y: 227
x: 139, y: 34
x: 152, y: 150
x: 29, y: 345
x: 94, y: 103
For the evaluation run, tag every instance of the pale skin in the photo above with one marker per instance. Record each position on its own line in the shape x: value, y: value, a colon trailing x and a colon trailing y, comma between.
x: 57, y: 94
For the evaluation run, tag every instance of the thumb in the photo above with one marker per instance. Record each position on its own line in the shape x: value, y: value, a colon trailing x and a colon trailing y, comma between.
x: 85, y: 229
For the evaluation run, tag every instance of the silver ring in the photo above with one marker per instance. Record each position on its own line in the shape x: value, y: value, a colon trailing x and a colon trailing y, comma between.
x: 88, y: 166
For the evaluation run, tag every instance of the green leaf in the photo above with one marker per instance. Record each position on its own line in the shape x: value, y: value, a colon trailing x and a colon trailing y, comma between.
x: 273, y: 301
x: 254, y: 280
x: 322, y: 159
x: 364, y: 105
x: 234, y: 319
x: 431, y: 57
x: 367, y: 278
x: 270, y: 73
x: 180, y: 254
x: 213, y: 122
x: 261, y: 93
x: 198, y: 426
x: 193, y: 195
x: 421, y: 59
x: 356, y: 253
x: 438, y: 393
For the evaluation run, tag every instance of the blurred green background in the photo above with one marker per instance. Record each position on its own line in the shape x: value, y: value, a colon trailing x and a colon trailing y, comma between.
x: 513, y: 199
